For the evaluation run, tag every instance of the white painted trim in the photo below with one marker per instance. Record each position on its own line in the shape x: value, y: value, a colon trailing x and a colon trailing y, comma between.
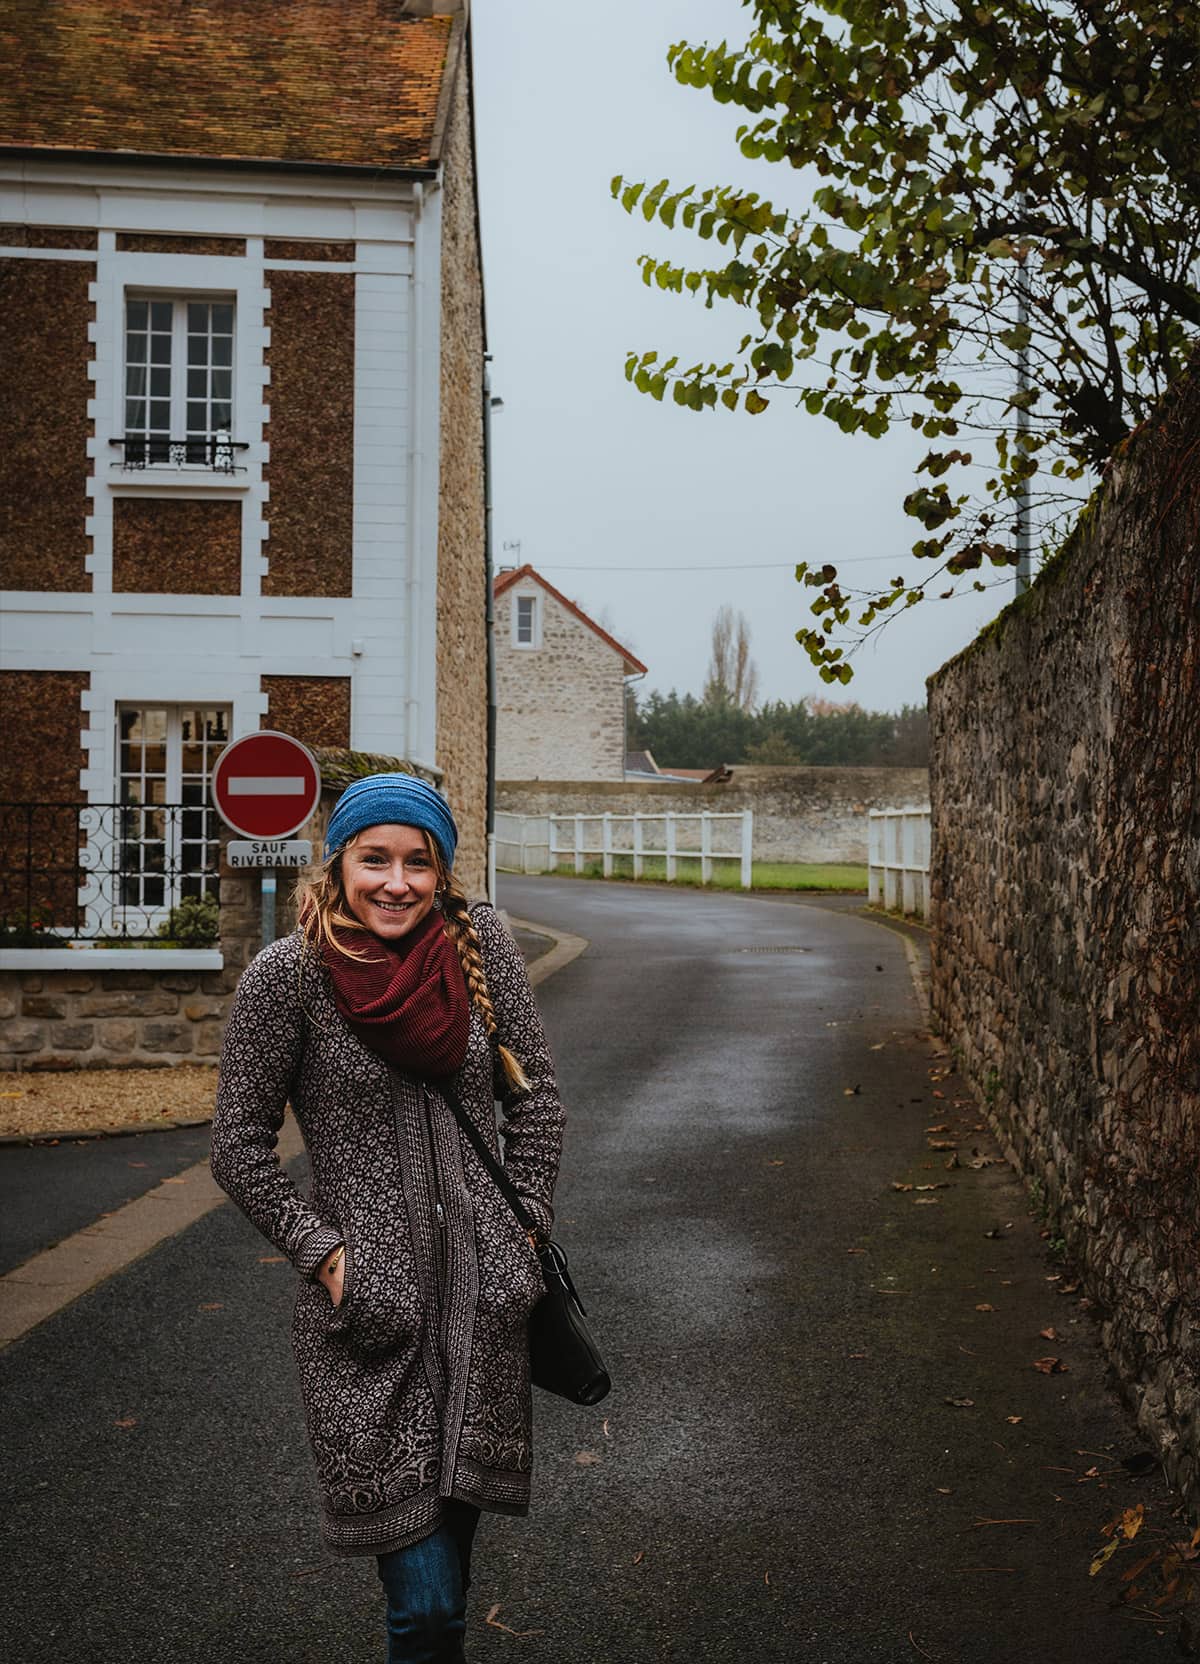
x: 111, y: 959
x: 425, y: 428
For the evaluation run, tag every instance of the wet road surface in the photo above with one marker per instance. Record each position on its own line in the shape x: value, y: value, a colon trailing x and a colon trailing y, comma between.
x: 777, y: 1475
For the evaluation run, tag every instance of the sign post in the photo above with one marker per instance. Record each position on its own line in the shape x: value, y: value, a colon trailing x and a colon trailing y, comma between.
x: 265, y: 786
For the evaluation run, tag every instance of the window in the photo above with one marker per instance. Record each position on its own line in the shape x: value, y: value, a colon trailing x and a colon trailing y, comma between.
x: 525, y: 621
x: 169, y: 828
x: 178, y: 381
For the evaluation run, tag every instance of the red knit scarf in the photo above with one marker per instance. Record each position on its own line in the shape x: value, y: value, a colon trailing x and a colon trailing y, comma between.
x: 406, y: 1000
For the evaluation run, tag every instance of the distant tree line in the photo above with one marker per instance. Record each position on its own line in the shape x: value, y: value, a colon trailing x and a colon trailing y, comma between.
x: 685, y: 732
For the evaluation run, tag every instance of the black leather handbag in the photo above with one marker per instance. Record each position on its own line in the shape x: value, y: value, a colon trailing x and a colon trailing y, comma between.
x: 563, y: 1357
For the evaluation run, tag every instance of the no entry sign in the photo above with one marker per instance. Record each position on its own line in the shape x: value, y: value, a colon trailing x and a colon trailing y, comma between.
x: 266, y: 785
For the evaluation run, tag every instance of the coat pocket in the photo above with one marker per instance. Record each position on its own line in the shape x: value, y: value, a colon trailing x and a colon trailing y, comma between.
x: 380, y: 1310
x: 337, y: 1317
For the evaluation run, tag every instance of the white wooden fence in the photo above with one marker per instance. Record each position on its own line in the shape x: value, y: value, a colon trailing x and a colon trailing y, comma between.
x: 543, y: 843
x: 898, y: 842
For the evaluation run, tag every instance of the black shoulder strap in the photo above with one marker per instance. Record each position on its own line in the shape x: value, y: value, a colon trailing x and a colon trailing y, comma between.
x: 503, y: 1183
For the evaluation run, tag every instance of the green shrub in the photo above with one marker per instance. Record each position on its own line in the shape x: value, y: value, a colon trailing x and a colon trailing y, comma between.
x: 195, y: 923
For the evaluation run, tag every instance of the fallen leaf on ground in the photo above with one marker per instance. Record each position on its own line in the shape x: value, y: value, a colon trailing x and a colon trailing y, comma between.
x: 126, y: 1421
x: 879, y: 1047
x: 1050, y: 1366
x: 212, y: 1306
x: 993, y: 1234
x: 586, y: 1458
x: 851, y: 1091
x: 1131, y: 1521
x: 944, y: 1490
x: 777, y: 1163
x: 856, y: 1250
x: 984, y: 1307
x: 961, y: 1403
x: 950, y: 1163
x: 942, y: 1144
x: 135, y: 1164
x: 174, y: 1181
x: 272, y: 1259
x: 938, y: 1094
x: 639, y: 1557
x: 942, y: 1184
x: 897, y: 1184
x: 496, y: 1624
x: 1049, y: 1333
x: 766, y: 1577
x: 1014, y: 1420
x: 1104, y: 1556
x: 604, y: 1428
x: 942, y: 1126
x: 926, y: 1201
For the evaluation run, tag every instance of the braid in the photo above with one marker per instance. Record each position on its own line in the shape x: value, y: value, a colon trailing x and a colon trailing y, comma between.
x: 462, y: 933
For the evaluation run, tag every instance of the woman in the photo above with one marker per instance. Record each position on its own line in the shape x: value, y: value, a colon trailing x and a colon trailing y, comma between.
x: 416, y: 1281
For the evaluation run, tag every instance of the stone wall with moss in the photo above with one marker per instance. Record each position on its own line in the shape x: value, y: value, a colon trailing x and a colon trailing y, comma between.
x: 1066, y: 905
x: 462, y: 559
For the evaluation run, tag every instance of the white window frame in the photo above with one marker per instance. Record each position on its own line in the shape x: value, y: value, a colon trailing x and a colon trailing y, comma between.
x: 178, y: 300
x: 535, y: 634
x: 148, y: 913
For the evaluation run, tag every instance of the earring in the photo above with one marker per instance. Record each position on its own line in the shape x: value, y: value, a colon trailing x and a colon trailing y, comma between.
x: 437, y: 900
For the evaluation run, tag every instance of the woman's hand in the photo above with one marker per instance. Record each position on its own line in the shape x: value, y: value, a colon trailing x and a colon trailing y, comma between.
x: 333, y: 1272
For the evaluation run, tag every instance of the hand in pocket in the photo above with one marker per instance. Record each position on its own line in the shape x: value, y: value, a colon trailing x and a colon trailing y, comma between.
x: 332, y: 1275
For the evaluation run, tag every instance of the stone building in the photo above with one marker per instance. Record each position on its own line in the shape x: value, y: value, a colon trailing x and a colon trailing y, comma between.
x: 242, y: 459
x: 560, y: 686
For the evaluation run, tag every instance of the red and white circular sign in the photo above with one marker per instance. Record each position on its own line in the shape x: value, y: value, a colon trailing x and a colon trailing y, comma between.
x: 266, y: 785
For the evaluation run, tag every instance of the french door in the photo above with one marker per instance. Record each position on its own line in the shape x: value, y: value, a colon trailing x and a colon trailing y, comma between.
x: 168, y: 827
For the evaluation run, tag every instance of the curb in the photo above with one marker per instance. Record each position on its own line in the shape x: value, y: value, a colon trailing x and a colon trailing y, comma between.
x: 115, y: 1129
x: 566, y: 947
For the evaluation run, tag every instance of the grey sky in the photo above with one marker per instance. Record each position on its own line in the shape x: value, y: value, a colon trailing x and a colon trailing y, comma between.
x: 590, y: 474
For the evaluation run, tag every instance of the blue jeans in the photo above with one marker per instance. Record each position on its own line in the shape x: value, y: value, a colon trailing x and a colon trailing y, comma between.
x: 426, y: 1586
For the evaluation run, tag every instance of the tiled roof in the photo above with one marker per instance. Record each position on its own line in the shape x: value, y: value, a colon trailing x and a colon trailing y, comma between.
x: 633, y: 666
x: 317, y: 82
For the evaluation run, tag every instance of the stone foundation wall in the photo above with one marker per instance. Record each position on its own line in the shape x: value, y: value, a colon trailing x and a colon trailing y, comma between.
x: 800, y: 814
x: 1066, y: 906
x: 119, y: 1019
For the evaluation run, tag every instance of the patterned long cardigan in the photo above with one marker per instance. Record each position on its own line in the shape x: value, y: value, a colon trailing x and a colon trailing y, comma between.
x: 416, y: 1386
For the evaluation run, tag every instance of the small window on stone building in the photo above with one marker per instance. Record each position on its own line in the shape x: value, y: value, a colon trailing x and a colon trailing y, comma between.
x: 178, y: 382
x: 525, y: 621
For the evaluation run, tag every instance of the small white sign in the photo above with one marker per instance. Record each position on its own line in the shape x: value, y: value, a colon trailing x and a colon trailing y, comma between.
x: 269, y: 852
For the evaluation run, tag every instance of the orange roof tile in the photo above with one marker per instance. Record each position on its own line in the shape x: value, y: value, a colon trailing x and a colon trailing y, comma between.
x: 633, y: 666
x: 311, y: 82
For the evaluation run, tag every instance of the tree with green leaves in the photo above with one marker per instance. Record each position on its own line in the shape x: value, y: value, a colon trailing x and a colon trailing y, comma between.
x: 985, y: 180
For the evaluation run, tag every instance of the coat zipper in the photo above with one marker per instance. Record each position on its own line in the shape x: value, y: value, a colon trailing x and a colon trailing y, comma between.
x: 439, y: 1213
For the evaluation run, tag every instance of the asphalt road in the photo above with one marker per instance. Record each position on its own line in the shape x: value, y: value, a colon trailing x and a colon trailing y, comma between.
x: 777, y: 1476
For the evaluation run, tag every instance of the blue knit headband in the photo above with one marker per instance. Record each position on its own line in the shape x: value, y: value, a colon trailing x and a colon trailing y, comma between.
x: 392, y: 799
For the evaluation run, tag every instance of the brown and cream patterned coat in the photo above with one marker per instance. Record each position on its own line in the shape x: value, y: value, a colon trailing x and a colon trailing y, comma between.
x: 416, y: 1386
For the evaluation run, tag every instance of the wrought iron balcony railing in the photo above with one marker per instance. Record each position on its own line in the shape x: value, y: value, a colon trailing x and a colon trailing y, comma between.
x: 216, y: 451
x: 102, y: 872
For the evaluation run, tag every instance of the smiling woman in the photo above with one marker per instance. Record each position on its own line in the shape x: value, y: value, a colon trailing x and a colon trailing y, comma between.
x: 392, y: 1002
x: 390, y: 880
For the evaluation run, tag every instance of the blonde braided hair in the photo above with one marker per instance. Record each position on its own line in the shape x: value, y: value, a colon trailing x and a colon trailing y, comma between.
x: 461, y: 932
x: 322, y: 909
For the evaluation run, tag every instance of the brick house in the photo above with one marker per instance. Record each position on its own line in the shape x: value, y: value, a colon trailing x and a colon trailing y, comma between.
x: 242, y: 461
x: 560, y: 685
